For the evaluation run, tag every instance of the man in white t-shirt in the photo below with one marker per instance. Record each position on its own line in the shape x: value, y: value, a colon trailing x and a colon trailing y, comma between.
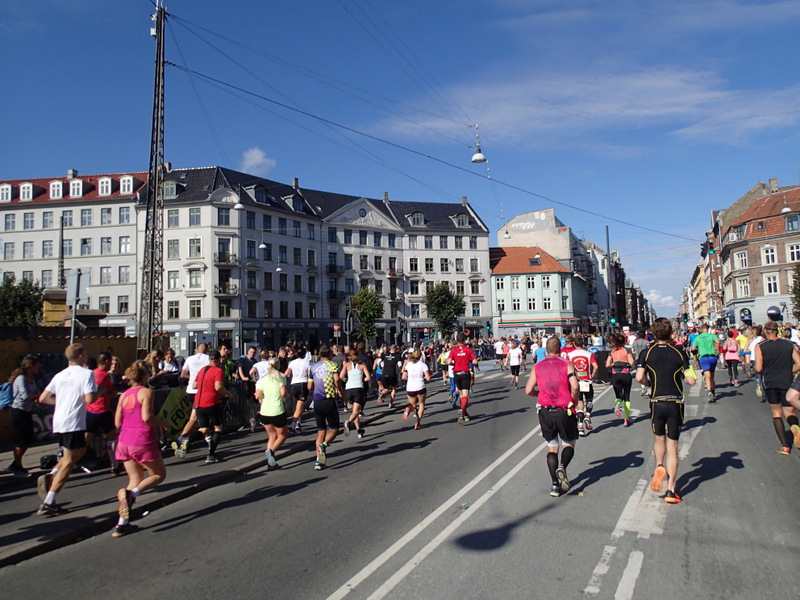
x: 297, y: 374
x: 191, y: 367
x: 70, y: 390
x: 514, y: 361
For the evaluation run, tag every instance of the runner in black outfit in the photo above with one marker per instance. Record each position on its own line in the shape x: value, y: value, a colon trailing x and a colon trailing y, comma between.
x: 389, y: 373
x: 664, y: 365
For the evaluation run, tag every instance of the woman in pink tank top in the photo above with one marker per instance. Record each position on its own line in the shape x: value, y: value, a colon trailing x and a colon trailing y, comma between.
x: 137, y: 447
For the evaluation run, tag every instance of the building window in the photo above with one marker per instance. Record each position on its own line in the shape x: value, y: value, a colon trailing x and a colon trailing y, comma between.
x: 105, y: 275
x: 376, y: 238
x: 769, y: 255
x: 124, y: 244
x: 75, y: 188
x: 429, y: 265
x: 531, y: 304
x: 122, y: 304
x: 284, y: 309
x: 792, y: 223
x: 104, y: 304
x: 742, y: 288
x: 126, y: 185
x: 104, y: 187
x: 460, y: 288
x: 281, y: 226
x: 195, y: 278
x: 47, y: 248
x: 86, y: 217
x: 172, y: 218
x: 443, y: 242
x: 312, y: 285
x: 251, y: 249
x: 194, y: 248
x: 124, y: 274
x: 417, y: 219
x: 47, y: 219
x: 268, y: 309
x: 27, y: 220
x: 195, y: 309
x: 267, y: 281
x: 515, y: 283
x: 473, y: 242
x: 348, y: 236
x: 475, y: 288
x: 66, y: 218
x: 378, y: 262
x: 124, y: 215
x: 413, y: 265
x: 363, y: 262
x: 297, y: 256
x: 312, y: 310
x: 47, y: 278
x: 444, y: 265
x: 251, y: 280
x: 391, y: 240
x: 310, y: 235
x: 10, y: 222
x: 26, y: 192
x: 412, y: 242
x: 173, y: 281
x: 473, y: 265
x: 105, y: 216
x: 793, y: 252
x: 564, y: 303
x: 223, y: 217
x: 250, y: 220
x: 332, y: 238
x: 224, y: 308
x: 476, y: 309
x: 296, y: 229
x: 462, y: 220
x: 546, y: 282
x: 266, y: 253
x: 414, y: 288
x: 298, y: 310
x: 429, y: 242
x: 252, y: 309
x: 500, y: 283
x: 515, y: 304
x: 86, y: 246
x: 362, y: 238
x: 56, y: 191
x: 740, y: 260
x: 501, y: 305
x: 173, y: 309
x: 27, y: 251
x: 194, y: 217
x: 266, y: 222
x: 283, y: 254
x: 105, y: 245
x: 66, y: 248
x: 173, y: 249
x: 546, y: 304
x: 298, y: 283
x: 415, y: 311
x: 771, y: 284
x: 283, y: 282
x: 458, y: 242
x: 311, y: 258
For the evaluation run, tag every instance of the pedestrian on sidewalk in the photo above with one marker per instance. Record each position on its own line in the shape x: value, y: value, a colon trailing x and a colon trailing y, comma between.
x: 326, y: 383
x: 666, y: 367
x: 777, y: 360
x: 554, y: 385
x: 355, y: 374
x: 26, y: 393
x: 270, y: 392
x: 70, y: 391
x: 137, y: 446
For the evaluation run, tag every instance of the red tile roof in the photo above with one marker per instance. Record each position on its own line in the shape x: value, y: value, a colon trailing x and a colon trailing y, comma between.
x: 41, y: 188
x: 511, y: 260
x: 766, y: 209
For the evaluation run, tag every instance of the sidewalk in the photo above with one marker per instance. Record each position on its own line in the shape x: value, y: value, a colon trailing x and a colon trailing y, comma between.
x: 91, y: 498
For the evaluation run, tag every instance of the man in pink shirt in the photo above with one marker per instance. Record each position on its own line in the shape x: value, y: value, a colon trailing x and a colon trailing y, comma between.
x: 557, y: 396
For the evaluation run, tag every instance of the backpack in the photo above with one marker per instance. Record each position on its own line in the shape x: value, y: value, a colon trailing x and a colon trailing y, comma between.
x: 6, y: 394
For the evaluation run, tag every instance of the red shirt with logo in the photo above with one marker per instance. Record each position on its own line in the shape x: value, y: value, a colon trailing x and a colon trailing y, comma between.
x: 462, y: 357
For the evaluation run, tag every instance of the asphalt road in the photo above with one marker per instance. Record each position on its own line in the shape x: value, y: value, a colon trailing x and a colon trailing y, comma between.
x: 459, y: 512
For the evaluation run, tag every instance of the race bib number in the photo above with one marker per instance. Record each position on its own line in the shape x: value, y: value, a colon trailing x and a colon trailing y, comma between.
x: 585, y: 386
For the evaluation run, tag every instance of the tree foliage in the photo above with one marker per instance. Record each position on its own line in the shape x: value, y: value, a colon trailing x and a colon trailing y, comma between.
x: 20, y: 303
x: 444, y: 306
x: 369, y: 306
x: 796, y: 292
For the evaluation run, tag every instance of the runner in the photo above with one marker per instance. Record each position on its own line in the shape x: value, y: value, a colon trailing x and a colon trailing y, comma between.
x: 138, y: 447
x: 499, y: 356
x: 637, y: 347
x: 619, y: 364
x: 415, y: 374
x: 210, y: 385
x: 270, y: 392
x: 707, y: 346
x: 70, y: 390
x: 297, y: 373
x: 355, y: 374
x: 556, y: 397
x: 324, y: 380
x: 191, y: 367
x: 515, y: 355
x: 666, y: 368
x: 99, y: 414
x: 461, y: 357
x: 777, y: 359
x: 389, y: 369
x: 730, y: 349
x: 586, y: 368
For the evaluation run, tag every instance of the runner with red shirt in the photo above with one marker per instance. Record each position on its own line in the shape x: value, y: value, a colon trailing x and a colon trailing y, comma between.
x: 461, y: 357
x: 99, y: 415
x: 585, y: 369
x: 210, y: 387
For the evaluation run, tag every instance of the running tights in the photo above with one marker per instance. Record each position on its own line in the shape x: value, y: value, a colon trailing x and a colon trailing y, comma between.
x: 622, y: 390
x: 777, y: 422
x: 214, y: 442
x: 567, y: 452
x: 733, y: 370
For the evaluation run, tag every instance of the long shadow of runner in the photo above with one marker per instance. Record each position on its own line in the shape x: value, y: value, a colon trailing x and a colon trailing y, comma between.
x: 605, y: 467
x: 496, y: 537
x: 708, y: 468
x: 698, y: 423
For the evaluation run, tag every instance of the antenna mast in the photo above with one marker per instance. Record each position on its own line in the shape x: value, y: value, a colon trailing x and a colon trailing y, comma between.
x: 152, y: 300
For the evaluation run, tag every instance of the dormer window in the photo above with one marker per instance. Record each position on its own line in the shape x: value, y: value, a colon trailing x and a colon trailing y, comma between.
x: 5, y: 193
x: 170, y: 190
x: 417, y: 219
x: 26, y: 192
x: 297, y: 204
x: 56, y: 190
x: 76, y: 188
x: 104, y: 186
x: 261, y: 195
x: 126, y: 185
x: 462, y: 220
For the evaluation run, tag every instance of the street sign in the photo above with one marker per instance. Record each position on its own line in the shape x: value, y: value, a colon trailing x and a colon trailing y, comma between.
x: 337, y: 327
x: 467, y: 332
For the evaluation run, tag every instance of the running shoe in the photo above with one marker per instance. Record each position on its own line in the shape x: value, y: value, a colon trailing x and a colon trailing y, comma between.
x: 298, y: 428
x: 21, y: 473
x: 292, y: 429
x: 563, y: 482
x: 796, y: 433
x: 758, y: 391
x: 406, y: 413
x: 672, y: 497
x: 347, y: 428
x: 271, y: 462
x: 124, y: 504
x: 120, y: 530
x: 318, y: 465
x: 587, y: 424
x: 711, y: 397
x: 466, y: 417
x: 322, y: 458
x: 361, y: 433
x: 785, y: 450
x: 643, y: 391
x: 211, y: 459
x: 391, y: 405
x: 51, y: 510
x: 460, y: 416
x: 43, y: 485
x: 617, y: 407
x: 183, y: 449
x: 555, y: 491
x: 626, y: 423
x: 657, y: 481
x: 418, y: 425
x: 581, y: 432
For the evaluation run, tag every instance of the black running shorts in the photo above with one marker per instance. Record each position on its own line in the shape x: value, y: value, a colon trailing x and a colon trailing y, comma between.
x: 355, y: 396
x: 776, y: 396
x: 666, y: 418
x: 278, y: 421
x: 72, y: 440
x: 100, y: 423
x: 300, y: 392
x: 462, y: 379
x: 209, y: 416
x: 556, y: 423
x: 326, y: 414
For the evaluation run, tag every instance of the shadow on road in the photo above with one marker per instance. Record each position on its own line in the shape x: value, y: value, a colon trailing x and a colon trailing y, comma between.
x: 606, y: 467
x: 496, y: 537
x: 698, y: 423
x: 708, y: 468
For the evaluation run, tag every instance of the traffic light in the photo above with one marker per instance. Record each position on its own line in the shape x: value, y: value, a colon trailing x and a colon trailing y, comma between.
x: 685, y: 317
x: 613, y: 318
x: 710, y: 248
x: 488, y: 325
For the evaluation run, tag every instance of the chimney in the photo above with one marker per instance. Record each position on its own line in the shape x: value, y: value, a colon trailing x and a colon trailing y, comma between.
x: 295, y: 182
x: 167, y: 167
x: 72, y: 173
x: 386, y: 198
x: 463, y: 200
x: 773, y: 185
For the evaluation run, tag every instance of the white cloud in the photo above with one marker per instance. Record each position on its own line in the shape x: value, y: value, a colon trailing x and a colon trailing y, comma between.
x: 255, y: 162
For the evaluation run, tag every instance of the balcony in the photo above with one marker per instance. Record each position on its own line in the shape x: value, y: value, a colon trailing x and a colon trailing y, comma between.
x: 335, y: 295
x: 396, y: 297
x: 225, y: 258
x: 226, y: 289
x: 334, y: 269
x: 394, y: 273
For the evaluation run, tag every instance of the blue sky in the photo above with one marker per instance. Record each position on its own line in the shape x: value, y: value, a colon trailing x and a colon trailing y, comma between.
x: 651, y: 113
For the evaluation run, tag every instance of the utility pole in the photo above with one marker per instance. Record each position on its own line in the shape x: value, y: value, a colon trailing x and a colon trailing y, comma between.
x: 152, y: 299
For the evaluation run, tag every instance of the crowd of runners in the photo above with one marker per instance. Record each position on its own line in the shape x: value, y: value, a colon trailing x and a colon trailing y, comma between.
x: 93, y: 398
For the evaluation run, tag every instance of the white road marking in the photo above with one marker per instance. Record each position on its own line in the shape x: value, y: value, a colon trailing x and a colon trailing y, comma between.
x: 629, y: 576
x: 600, y: 569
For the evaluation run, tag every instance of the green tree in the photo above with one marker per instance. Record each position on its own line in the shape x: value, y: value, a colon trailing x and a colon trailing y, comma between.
x: 444, y: 306
x: 796, y: 292
x: 369, y: 306
x: 20, y: 303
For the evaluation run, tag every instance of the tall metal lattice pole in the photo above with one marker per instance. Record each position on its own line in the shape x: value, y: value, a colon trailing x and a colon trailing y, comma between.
x: 152, y: 300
